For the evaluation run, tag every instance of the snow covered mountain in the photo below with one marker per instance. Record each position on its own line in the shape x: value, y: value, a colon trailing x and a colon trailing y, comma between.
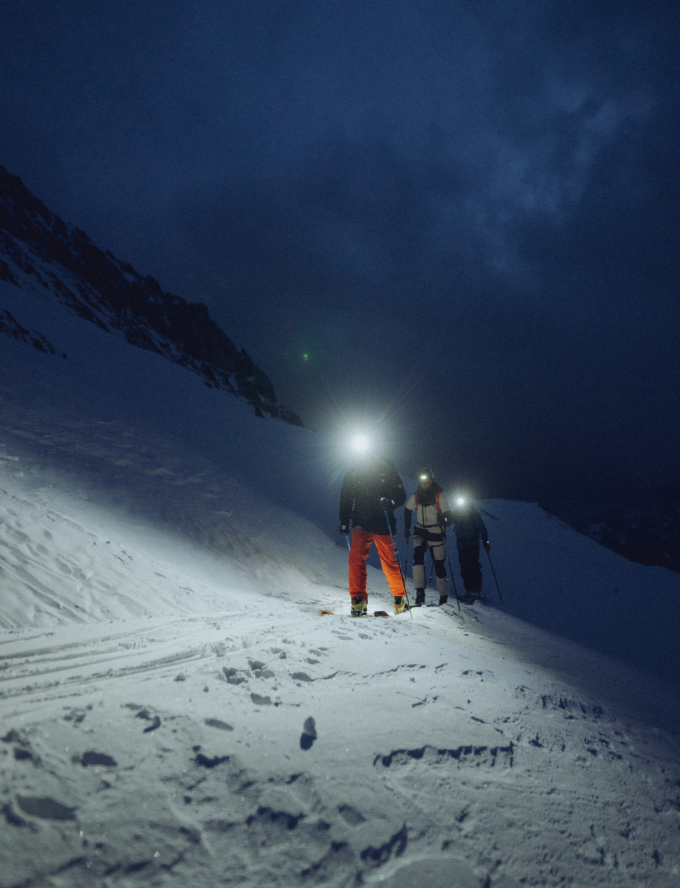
x: 39, y: 252
x: 176, y: 712
x: 646, y: 531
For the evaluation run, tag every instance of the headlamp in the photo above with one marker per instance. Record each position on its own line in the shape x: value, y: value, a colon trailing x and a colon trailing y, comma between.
x: 360, y: 444
x: 461, y: 500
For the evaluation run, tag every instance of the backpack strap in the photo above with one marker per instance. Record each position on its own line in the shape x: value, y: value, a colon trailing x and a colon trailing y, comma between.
x: 436, y: 502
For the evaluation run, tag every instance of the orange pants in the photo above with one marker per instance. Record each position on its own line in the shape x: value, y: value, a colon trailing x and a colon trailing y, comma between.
x: 361, y: 544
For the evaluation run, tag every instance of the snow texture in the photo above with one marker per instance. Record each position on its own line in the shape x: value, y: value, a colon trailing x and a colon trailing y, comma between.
x: 175, y: 711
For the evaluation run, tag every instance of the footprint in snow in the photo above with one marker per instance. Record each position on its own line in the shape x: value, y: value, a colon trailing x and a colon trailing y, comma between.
x: 155, y: 720
x: 300, y: 676
x: 22, y: 754
x: 45, y: 808
x: 98, y: 758
x: 206, y: 762
x: 309, y: 734
x: 216, y: 723
x: 232, y: 676
x: 259, y: 670
x: 350, y: 815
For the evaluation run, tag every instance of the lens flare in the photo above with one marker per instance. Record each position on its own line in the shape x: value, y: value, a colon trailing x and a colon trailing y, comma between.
x: 361, y: 444
x: 461, y: 500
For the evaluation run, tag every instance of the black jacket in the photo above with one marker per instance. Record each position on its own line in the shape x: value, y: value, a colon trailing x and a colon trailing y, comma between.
x: 469, y: 526
x: 370, y: 489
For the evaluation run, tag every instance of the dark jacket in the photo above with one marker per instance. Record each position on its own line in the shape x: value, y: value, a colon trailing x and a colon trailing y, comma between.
x: 370, y: 489
x: 469, y: 526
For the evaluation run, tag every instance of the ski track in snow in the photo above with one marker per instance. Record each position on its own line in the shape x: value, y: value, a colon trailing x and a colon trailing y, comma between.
x: 174, y: 711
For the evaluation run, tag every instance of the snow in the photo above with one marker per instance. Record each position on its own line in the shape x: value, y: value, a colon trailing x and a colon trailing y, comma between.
x: 163, y: 557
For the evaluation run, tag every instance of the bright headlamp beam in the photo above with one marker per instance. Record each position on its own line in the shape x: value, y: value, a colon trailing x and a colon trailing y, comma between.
x: 461, y: 500
x: 360, y: 444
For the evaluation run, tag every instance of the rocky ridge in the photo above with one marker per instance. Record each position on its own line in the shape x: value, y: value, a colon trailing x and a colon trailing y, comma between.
x: 40, y: 252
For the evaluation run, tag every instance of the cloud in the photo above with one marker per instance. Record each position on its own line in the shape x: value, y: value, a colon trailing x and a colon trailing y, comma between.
x: 487, y: 117
x: 476, y: 122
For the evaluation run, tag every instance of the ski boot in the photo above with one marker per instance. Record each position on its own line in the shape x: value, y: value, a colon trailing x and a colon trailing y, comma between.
x: 470, y: 596
x: 420, y: 598
x: 399, y: 604
x: 359, y: 607
x: 443, y: 599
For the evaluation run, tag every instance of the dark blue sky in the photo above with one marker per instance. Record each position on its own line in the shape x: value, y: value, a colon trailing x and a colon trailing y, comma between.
x: 466, y: 214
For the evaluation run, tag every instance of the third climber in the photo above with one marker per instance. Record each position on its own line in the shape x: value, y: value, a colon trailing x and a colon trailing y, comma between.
x: 469, y: 527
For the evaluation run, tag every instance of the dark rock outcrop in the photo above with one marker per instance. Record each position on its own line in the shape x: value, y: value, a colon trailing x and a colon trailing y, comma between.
x: 11, y: 327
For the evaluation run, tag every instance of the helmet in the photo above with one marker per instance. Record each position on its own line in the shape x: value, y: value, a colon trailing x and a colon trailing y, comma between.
x: 426, y: 475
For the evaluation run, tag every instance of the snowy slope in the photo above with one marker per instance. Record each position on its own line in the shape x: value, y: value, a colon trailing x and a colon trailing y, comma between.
x: 175, y: 711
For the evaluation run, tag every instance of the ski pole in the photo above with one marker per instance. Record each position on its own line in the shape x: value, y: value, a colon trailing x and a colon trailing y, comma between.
x: 405, y: 569
x: 396, y: 556
x: 455, y: 591
x: 494, y: 576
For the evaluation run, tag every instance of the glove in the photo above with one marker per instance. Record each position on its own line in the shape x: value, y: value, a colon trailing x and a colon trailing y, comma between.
x: 407, y: 534
x: 487, y: 545
x: 344, y: 530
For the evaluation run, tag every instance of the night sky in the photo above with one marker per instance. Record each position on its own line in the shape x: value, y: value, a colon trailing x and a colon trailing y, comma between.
x: 453, y: 222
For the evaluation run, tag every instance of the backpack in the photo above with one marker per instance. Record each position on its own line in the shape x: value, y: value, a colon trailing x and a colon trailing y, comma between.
x: 436, y: 501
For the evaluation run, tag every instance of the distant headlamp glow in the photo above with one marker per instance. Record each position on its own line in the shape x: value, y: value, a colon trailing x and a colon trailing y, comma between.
x: 360, y: 444
x: 424, y: 477
x: 461, y: 500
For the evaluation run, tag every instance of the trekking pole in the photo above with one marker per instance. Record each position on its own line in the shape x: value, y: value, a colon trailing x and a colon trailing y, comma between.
x: 455, y: 591
x: 396, y: 556
x: 494, y: 576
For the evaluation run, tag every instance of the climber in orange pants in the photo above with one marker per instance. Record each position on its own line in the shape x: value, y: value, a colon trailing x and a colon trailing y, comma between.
x: 370, y: 493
